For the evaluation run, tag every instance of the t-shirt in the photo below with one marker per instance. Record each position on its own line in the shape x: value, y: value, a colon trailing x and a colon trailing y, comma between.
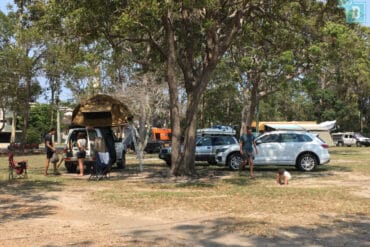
x: 48, y: 138
x: 287, y: 174
x: 81, y: 143
x: 247, y: 142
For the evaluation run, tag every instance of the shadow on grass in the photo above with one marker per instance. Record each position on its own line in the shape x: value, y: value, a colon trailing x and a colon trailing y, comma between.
x: 351, y: 230
x: 26, y: 199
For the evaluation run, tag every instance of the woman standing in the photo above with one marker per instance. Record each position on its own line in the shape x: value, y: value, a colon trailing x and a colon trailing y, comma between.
x: 81, y: 144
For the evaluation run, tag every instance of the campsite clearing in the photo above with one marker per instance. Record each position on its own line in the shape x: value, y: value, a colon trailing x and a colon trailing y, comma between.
x: 328, y: 207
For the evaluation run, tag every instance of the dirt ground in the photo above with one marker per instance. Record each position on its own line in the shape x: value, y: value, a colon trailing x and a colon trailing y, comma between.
x: 67, y: 216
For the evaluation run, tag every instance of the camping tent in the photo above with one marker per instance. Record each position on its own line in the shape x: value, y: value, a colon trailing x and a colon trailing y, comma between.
x: 100, y: 111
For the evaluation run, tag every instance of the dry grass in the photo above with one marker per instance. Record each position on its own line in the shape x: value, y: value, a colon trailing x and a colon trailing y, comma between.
x: 253, y: 206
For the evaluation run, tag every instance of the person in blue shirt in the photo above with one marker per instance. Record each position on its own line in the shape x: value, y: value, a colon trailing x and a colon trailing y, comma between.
x: 247, y: 142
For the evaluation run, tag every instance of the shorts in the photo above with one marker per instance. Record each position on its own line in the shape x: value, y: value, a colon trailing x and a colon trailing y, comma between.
x: 247, y: 155
x: 49, y: 154
x: 81, y: 154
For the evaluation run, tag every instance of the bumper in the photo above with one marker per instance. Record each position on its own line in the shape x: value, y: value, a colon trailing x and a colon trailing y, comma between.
x: 220, y: 158
x: 325, y: 159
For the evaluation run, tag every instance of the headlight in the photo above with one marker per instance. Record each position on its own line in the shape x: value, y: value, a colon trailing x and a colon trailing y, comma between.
x: 220, y: 150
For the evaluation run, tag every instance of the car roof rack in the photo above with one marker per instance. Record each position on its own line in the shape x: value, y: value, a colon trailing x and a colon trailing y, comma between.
x: 217, y: 130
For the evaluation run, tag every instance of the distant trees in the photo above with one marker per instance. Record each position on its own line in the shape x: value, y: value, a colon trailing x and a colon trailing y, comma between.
x: 222, y: 60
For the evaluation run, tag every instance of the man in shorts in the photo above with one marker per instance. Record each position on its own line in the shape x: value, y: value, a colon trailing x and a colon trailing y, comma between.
x: 247, y: 141
x: 50, y: 149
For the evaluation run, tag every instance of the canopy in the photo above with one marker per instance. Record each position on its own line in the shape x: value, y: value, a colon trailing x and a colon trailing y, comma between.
x: 101, y: 111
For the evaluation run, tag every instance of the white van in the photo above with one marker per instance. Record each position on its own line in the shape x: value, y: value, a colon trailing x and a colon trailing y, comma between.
x: 115, y: 147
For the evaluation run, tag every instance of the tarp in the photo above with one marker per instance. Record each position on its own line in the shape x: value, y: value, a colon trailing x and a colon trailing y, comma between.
x: 101, y: 111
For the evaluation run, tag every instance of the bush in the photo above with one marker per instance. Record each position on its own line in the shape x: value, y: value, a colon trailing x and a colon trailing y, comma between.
x: 33, y: 136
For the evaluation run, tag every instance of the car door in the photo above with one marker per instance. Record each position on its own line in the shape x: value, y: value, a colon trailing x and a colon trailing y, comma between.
x: 269, y: 149
x: 203, y: 149
x: 290, y: 147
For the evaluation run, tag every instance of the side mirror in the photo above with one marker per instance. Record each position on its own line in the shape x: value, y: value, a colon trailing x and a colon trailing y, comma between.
x: 258, y: 142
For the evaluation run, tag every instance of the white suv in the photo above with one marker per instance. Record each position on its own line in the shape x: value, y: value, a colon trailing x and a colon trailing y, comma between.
x: 303, y: 150
x: 115, y: 147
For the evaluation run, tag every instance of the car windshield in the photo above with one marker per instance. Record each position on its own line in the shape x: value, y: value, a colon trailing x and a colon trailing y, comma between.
x: 358, y: 135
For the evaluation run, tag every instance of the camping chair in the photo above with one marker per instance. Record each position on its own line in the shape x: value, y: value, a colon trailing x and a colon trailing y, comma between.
x: 101, y: 167
x: 20, y: 167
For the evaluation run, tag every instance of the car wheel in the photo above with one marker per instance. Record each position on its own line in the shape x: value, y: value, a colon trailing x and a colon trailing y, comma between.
x: 71, y: 167
x: 168, y: 163
x: 358, y: 144
x: 121, y: 164
x: 234, y: 161
x: 307, y: 162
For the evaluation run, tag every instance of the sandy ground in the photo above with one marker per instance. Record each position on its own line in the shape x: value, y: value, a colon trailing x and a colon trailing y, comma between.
x: 68, y: 217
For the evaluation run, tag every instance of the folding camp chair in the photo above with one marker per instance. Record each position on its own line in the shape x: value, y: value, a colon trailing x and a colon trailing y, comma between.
x: 20, y: 167
x: 101, y: 167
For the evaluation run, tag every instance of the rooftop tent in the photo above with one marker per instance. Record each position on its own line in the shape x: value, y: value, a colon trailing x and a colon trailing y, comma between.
x: 101, y: 111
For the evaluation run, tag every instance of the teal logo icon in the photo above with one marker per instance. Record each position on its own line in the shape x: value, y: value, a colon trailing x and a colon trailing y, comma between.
x: 355, y: 11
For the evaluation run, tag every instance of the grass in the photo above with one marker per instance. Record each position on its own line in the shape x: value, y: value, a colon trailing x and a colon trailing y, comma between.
x: 218, y: 190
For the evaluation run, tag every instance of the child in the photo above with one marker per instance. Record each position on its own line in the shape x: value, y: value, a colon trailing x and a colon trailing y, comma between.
x: 283, y: 176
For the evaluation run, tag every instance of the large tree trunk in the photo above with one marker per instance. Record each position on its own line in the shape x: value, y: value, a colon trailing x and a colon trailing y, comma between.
x: 176, y: 161
x: 26, y: 113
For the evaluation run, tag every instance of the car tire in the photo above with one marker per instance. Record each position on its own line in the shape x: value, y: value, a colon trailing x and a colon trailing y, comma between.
x: 307, y: 162
x: 358, y: 144
x: 71, y: 167
x: 168, y: 163
x: 121, y: 164
x: 234, y: 161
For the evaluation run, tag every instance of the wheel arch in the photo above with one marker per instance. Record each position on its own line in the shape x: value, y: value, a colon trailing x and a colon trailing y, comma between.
x: 307, y: 152
x: 229, y: 155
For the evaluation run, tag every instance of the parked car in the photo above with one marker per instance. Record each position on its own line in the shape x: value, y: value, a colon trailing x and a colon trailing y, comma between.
x: 206, y: 147
x: 303, y: 150
x: 349, y: 139
x: 361, y: 140
x: 115, y: 147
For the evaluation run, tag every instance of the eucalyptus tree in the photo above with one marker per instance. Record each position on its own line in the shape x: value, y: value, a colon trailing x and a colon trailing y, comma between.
x: 342, y: 71
x: 274, y: 52
x: 187, y: 37
x: 26, y: 53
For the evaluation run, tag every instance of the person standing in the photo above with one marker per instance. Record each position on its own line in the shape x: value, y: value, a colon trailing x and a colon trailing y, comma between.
x: 50, y: 149
x: 81, y: 154
x: 247, y: 141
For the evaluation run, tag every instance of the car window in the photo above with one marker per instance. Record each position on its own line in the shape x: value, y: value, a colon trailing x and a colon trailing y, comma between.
x: 304, y: 138
x: 92, y: 135
x: 269, y: 138
x: 229, y: 140
x: 217, y: 141
x: 288, y: 137
x: 205, y: 141
x: 223, y: 140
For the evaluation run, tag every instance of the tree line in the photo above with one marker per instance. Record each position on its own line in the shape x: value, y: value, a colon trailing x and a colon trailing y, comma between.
x: 190, y: 64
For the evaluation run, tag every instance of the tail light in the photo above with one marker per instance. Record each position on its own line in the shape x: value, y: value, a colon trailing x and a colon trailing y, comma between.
x: 324, y: 145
